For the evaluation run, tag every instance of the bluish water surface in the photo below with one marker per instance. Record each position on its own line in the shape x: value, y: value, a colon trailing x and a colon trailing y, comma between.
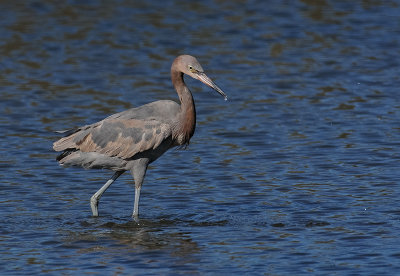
x: 297, y: 173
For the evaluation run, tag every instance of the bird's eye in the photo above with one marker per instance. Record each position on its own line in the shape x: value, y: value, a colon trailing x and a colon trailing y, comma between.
x: 192, y: 69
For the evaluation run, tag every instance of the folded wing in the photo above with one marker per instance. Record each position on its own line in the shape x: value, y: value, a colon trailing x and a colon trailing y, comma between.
x: 121, y: 138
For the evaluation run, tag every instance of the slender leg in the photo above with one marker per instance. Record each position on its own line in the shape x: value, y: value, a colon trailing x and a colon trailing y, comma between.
x: 94, y: 200
x: 138, y: 172
x: 135, y: 214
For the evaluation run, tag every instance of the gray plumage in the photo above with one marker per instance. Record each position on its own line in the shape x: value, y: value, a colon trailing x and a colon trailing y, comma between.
x: 132, y: 139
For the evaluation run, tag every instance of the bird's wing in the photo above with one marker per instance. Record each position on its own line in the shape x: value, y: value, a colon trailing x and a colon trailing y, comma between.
x: 117, y: 137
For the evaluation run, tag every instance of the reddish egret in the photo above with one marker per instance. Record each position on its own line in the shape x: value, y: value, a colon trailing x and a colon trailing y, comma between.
x: 132, y: 139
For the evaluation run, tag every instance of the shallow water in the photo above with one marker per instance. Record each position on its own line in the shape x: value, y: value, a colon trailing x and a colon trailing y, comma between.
x: 297, y: 173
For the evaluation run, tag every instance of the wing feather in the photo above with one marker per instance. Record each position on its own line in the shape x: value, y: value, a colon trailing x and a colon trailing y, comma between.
x: 117, y: 137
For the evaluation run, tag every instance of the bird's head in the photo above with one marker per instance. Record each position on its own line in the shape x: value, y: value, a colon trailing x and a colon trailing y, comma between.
x: 190, y: 66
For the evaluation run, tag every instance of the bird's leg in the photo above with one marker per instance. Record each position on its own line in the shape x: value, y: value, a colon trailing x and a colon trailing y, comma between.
x: 138, y: 172
x: 135, y: 214
x: 94, y: 200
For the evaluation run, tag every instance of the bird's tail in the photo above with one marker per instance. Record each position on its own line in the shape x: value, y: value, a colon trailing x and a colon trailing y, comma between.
x: 65, y: 153
x: 66, y: 132
x: 66, y: 142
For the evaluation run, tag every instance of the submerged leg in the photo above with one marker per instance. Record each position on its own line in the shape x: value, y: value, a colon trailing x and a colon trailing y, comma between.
x: 138, y: 172
x: 94, y: 200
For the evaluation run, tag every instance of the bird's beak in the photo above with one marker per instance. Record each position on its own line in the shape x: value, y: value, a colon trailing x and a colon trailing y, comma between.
x: 206, y: 80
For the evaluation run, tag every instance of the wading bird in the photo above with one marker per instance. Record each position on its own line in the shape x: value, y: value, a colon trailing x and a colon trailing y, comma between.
x: 132, y: 139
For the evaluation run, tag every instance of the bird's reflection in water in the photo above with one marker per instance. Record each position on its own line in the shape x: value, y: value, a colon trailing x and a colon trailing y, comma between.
x: 142, y: 242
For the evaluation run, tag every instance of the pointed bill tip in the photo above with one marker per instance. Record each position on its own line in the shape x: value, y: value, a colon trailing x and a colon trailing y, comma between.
x: 206, y: 80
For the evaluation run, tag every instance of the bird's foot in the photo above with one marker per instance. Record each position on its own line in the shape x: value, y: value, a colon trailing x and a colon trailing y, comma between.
x: 135, y: 217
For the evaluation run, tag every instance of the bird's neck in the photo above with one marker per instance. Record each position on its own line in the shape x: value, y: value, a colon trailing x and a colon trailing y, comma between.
x: 185, y: 127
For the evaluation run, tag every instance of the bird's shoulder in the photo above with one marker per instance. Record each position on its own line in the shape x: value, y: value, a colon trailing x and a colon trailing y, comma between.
x: 162, y: 111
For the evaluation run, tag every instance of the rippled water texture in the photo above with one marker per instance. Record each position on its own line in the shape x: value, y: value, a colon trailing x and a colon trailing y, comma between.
x: 297, y: 173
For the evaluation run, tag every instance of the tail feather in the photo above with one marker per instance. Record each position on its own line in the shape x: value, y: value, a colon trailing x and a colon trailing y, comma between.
x: 68, y: 141
x: 64, y: 143
x: 67, y: 132
x: 65, y: 153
